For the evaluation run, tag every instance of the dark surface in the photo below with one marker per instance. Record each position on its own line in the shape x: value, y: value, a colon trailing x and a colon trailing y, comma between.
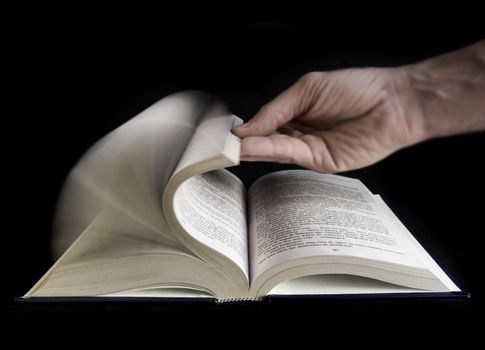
x: 75, y: 79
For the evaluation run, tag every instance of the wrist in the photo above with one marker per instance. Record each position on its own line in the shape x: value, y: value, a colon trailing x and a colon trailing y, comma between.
x: 407, y: 106
x: 449, y: 92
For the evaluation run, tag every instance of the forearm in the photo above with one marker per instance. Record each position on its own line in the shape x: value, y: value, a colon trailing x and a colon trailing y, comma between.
x: 450, y: 91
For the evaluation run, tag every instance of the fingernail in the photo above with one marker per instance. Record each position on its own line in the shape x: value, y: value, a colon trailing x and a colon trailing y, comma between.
x: 242, y: 126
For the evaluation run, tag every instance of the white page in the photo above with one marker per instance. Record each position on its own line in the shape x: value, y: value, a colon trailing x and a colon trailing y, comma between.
x: 335, y: 284
x: 297, y: 213
x: 432, y: 265
x: 160, y: 292
x: 209, y: 138
x: 212, y: 208
x: 126, y: 171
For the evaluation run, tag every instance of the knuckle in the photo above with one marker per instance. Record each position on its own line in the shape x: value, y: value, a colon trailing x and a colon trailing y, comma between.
x: 266, y: 109
x: 310, y: 78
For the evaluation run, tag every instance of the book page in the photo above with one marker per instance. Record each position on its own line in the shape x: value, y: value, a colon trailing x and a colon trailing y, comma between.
x: 211, y: 207
x: 297, y: 213
x: 113, y: 199
x: 433, y: 266
x: 338, y: 284
x: 114, y: 255
x: 128, y: 169
x: 209, y: 138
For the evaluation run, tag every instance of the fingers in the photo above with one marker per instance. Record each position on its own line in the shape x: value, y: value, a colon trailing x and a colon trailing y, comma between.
x: 309, y: 151
x: 278, y: 112
x: 276, y: 148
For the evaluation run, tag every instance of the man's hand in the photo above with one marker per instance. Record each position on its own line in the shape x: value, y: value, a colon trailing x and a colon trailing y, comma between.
x: 348, y: 119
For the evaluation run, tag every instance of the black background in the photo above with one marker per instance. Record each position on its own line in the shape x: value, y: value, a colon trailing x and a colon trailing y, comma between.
x: 71, y: 78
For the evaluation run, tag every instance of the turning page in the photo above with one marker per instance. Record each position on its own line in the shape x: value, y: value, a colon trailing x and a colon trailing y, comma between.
x: 212, y: 208
x: 126, y: 171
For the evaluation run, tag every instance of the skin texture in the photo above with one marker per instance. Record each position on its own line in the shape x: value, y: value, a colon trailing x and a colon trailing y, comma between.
x: 348, y: 119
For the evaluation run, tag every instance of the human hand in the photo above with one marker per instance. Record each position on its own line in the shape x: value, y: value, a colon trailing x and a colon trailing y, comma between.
x: 336, y: 121
x: 347, y: 119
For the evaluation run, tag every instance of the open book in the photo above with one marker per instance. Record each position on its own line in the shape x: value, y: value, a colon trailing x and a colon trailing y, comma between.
x: 150, y: 211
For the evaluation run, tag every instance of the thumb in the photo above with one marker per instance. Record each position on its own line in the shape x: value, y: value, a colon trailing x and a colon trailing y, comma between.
x: 278, y: 112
